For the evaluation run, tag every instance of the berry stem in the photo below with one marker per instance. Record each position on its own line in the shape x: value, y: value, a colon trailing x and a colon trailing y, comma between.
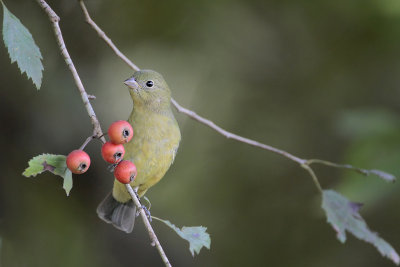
x: 87, y: 141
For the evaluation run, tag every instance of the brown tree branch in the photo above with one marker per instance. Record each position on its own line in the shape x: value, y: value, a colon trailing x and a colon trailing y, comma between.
x: 55, y: 19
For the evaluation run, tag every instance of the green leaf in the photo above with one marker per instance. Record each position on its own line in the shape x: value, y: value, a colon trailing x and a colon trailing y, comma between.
x: 22, y: 47
x: 46, y: 162
x: 343, y: 215
x: 195, y: 235
x: 67, y: 185
x: 55, y: 164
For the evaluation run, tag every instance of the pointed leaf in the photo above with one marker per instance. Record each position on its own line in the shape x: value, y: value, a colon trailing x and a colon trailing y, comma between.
x: 343, y: 215
x: 195, y: 235
x: 21, y: 47
x: 67, y: 185
x: 46, y: 162
x: 55, y: 164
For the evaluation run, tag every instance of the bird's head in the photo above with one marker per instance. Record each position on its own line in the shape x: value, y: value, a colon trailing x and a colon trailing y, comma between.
x: 149, y: 89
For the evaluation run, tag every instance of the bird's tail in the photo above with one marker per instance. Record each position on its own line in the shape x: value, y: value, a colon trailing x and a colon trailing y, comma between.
x: 120, y: 215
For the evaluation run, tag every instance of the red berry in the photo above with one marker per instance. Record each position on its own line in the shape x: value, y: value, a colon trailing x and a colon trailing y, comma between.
x: 120, y: 132
x: 112, y: 153
x: 78, y: 161
x: 125, y: 172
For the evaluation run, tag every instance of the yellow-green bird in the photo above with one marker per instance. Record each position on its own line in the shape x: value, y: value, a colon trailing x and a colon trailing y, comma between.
x: 152, y: 148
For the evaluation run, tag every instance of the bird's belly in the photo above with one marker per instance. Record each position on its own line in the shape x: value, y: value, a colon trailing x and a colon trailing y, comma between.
x: 152, y: 149
x: 152, y: 159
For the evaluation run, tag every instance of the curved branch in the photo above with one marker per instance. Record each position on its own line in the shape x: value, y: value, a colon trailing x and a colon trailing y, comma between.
x: 55, y: 19
x: 105, y: 37
x: 181, y: 109
x: 304, y: 163
x: 233, y: 136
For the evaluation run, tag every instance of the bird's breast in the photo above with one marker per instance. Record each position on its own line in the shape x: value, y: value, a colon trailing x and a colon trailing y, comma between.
x: 153, y: 146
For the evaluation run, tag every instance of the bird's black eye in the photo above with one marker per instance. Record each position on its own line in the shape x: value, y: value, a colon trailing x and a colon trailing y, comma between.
x: 149, y: 83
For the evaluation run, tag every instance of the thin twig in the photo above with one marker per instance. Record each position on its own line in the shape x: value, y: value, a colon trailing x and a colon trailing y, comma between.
x: 336, y: 165
x: 105, y: 37
x: 146, y: 222
x: 97, y: 132
x: 381, y: 174
x: 55, y: 19
x: 191, y: 113
x: 233, y: 136
x: 87, y: 141
x: 304, y: 163
x: 313, y: 176
x: 181, y: 109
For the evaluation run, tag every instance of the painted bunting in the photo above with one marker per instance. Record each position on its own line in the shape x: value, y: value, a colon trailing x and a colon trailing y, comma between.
x: 153, y: 147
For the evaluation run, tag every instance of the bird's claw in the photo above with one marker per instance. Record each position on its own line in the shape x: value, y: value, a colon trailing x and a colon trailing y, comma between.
x: 143, y: 207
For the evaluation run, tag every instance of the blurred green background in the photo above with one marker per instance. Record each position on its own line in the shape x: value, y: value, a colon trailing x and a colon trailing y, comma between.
x: 319, y: 79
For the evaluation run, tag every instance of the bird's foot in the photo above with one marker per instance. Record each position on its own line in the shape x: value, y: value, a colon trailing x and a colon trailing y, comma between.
x: 143, y: 207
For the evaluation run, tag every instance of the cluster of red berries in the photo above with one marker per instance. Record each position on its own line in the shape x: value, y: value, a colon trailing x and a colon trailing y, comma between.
x: 119, y: 132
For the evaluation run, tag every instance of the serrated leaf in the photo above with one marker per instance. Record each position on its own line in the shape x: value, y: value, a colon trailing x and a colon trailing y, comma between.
x: 46, y: 162
x: 55, y: 164
x: 195, y: 235
x: 21, y: 47
x: 343, y: 215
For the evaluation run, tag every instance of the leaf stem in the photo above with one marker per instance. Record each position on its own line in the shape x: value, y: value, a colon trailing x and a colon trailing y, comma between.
x: 156, y: 218
x: 313, y: 176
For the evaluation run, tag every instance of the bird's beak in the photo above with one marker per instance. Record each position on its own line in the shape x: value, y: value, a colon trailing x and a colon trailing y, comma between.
x: 131, y: 83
